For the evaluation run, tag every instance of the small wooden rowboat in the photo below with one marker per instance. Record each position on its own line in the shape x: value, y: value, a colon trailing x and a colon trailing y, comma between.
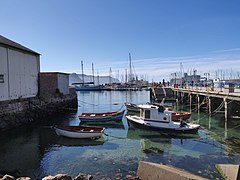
x: 79, y: 131
x: 179, y: 115
x: 107, y: 116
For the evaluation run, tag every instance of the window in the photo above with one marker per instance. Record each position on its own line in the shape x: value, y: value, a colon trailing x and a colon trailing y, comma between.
x: 147, y: 114
x: 1, y: 78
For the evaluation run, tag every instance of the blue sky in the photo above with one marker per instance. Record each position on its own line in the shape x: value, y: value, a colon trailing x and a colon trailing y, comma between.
x: 159, y: 34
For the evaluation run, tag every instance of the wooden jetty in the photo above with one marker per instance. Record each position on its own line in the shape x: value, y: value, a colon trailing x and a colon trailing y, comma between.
x: 214, y: 100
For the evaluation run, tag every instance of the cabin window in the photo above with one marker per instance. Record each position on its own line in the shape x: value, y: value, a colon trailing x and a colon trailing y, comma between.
x: 147, y: 114
x: 1, y: 78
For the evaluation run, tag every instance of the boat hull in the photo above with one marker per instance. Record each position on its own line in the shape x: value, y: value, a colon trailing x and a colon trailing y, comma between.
x: 94, y: 88
x: 79, y: 133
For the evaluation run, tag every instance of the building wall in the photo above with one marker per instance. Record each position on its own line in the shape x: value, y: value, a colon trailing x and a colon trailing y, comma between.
x: 48, y: 84
x: 63, y: 83
x: 20, y: 72
x: 4, y: 94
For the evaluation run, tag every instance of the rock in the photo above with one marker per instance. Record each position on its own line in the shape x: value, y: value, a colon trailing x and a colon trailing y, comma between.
x: 58, y: 177
x: 7, y: 177
x: 48, y: 178
x: 89, y: 177
x: 131, y: 177
x: 24, y: 178
x: 11, y: 172
x: 80, y: 176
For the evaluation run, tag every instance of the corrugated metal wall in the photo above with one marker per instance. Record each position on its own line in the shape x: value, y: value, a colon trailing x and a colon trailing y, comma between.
x: 21, y: 71
x: 4, y: 72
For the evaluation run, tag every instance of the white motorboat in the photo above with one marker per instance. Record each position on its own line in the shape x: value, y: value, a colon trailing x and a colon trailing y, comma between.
x: 156, y: 118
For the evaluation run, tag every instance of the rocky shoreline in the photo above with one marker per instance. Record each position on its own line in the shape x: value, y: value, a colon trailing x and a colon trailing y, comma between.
x: 80, y: 176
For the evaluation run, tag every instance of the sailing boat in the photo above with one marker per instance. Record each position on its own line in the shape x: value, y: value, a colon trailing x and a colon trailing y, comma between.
x: 87, y: 86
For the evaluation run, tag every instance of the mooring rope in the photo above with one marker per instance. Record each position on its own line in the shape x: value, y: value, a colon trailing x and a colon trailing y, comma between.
x: 117, y: 137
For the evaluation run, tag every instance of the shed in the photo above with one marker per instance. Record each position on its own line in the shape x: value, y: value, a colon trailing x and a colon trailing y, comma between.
x: 19, y: 70
x: 54, y: 82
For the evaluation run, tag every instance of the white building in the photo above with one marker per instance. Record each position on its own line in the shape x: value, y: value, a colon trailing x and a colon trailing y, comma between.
x: 19, y: 70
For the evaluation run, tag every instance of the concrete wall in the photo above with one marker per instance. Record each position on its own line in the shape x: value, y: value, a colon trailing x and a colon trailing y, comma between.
x: 63, y: 83
x: 20, y: 72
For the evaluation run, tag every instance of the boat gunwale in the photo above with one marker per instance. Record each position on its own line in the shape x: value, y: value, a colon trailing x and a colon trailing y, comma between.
x: 95, y: 129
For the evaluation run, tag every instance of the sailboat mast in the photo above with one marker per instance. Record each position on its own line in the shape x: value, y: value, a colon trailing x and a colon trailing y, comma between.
x: 130, y: 68
x: 98, y: 77
x: 93, y: 74
x: 82, y: 71
x: 110, y: 76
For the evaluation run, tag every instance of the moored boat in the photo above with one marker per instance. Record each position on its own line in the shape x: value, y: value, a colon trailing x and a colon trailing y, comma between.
x: 176, y: 115
x: 155, y: 118
x: 179, y: 115
x: 105, y: 116
x: 79, y: 131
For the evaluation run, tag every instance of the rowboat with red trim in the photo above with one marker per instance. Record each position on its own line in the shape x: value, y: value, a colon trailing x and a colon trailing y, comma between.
x: 79, y: 131
x: 106, y: 116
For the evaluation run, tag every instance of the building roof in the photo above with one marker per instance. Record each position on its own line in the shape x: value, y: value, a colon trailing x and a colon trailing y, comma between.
x: 50, y: 73
x: 12, y: 44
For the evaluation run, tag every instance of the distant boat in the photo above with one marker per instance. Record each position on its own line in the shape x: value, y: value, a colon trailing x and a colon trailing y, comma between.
x: 79, y: 131
x: 155, y: 118
x: 105, y: 116
x: 87, y: 86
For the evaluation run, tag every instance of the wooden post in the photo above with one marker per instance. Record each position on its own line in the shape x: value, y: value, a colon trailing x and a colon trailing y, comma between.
x: 225, y: 108
x: 226, y: 116
x: 209, y: 122
x: 209, y: 106
x: 198, y: 103
x: 182, y: 95
x: 177, y: 102
x: 190, y: 102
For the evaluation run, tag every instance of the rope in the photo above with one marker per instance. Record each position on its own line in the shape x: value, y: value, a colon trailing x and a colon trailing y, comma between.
x: 117, y: 137
x: 87, y: 103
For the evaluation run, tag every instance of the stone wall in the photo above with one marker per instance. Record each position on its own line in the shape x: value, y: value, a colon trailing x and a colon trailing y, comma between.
x: 17, y: 112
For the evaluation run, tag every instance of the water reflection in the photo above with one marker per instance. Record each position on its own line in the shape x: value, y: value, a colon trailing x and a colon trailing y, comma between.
x: 38, y: 151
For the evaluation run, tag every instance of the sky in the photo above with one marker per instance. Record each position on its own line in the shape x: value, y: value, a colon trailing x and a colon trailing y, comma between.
x: 202, y: 35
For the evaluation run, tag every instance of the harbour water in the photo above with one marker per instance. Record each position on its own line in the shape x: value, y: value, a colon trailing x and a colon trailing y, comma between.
x: 36, y: 151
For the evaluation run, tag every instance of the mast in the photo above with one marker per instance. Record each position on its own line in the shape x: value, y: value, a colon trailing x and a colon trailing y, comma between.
x: 98, y: 77
x: 82, y: 71
x: 93, y: 74
x: 110, y: 76
x: 126, y: 76
x: 130, y: 68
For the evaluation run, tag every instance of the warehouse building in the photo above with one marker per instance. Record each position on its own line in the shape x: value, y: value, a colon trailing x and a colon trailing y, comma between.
x: 19, y: 71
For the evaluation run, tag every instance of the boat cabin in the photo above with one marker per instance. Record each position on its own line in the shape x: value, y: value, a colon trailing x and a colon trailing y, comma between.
x: 155, y: 113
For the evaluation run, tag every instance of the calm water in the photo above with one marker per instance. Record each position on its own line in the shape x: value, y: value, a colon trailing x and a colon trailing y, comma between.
x: 38, y: 151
